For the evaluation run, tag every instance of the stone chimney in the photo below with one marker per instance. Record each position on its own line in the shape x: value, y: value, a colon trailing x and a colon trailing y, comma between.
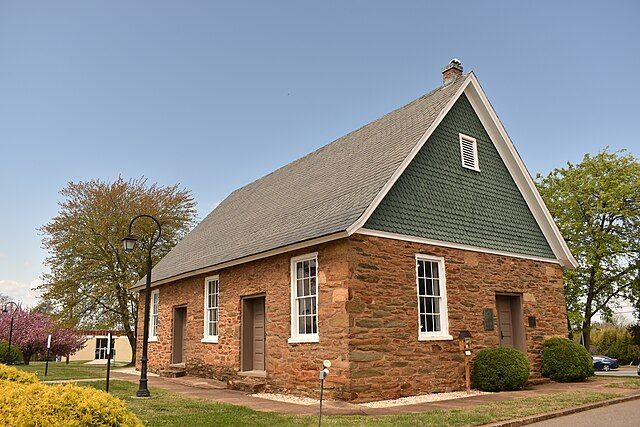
x: 452, y: 71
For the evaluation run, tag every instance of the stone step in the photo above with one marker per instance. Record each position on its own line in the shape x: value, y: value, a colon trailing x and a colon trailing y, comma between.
x: 248, y: 384
x: 173, y: 372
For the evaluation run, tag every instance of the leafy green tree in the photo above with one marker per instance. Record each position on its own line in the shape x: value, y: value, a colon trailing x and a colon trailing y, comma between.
x: 91, y: 274
x: 596, y: 204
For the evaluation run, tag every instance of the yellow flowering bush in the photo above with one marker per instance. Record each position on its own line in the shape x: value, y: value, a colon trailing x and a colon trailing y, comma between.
x: 39, y: 404
x: 10, y: 373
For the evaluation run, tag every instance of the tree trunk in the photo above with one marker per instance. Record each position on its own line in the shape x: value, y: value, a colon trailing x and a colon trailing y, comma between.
x: 132, y: 343
x: 67, y: 359
x: 26, y: 357
x: 586, y: 333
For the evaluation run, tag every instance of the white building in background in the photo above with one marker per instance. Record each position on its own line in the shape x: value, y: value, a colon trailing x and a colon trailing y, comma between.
x: 95, y: 348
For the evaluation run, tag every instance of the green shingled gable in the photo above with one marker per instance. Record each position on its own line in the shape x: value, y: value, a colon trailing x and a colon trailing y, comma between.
x: 436, y: 198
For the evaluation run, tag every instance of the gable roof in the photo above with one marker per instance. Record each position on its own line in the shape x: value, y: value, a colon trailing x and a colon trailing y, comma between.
x: 329, y: 193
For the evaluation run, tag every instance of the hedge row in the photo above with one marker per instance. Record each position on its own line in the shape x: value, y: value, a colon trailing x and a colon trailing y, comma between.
x: 24, y: 401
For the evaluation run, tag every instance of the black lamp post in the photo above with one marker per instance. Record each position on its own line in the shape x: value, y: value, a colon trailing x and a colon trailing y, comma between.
x: 5, y: 309
x: 129, y: 243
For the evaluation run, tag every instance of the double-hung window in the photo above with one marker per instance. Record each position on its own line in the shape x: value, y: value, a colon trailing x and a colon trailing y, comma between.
x: 433, y: 323
x: 211, y: 307
x: 304, y: 299
x: 153, y: 315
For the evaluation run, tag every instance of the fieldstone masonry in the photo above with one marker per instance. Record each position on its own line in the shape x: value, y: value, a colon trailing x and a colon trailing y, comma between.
x: 367, y: 318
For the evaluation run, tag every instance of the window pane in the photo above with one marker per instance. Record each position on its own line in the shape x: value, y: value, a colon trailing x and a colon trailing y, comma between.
x: 313, y: 304
x: 423, y: 323
x: 434, y: 270
x: 299, y: 270
x: 314, y: 324
x: 423, y: 305
x: 306, y: 287
x: 309, y: 324
x: 429, y: 323
x: 422, y: 287
x: 299, y: 289
x: 312, y: 286
x: 301, y: 325
x: 312, y: 267
x: 436, y: 322
x: 420, y: 268
x: 306, y: 268
x: 436, y: 287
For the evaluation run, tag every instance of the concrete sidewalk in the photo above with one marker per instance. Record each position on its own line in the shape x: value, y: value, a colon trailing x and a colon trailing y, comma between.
x: 214, y: 391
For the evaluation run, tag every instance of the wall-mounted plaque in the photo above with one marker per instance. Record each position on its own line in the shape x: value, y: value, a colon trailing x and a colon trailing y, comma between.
x: 488, y: 319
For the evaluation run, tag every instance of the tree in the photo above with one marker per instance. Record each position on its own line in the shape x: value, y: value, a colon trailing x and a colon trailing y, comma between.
x: 596, y: 205
x: 91, y: 275
x: 31, y: 330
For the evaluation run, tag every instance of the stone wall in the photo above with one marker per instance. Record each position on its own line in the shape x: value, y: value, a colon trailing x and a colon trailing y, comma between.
x: 387, y: 360
x: 367, y: 318
x: 290, y: 367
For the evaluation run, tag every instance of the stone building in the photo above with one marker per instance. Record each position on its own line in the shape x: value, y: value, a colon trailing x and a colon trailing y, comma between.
x: 373, y: 252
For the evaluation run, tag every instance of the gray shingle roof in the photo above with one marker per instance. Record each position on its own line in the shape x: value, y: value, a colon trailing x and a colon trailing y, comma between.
x: 319, y: 194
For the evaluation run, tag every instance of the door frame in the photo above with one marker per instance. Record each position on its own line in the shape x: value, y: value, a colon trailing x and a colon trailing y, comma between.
x: 517, y: 320
x: 243, y: 300
x: 173, y: 332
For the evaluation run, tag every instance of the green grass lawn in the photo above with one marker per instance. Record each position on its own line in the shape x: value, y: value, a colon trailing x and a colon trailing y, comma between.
x: 62, y: 371
x: 628, y: 382
x: 169, y: 409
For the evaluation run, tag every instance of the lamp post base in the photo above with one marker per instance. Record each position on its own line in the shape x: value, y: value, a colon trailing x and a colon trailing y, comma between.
x: 143, y: 391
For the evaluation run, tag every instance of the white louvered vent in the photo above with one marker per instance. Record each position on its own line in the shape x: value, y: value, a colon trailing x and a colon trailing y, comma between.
x: 469, y: 153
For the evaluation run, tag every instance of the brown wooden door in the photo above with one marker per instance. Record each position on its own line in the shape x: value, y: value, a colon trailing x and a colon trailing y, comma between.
x: 505, y: 321
x: 179, y: 333
x: 258, y: 334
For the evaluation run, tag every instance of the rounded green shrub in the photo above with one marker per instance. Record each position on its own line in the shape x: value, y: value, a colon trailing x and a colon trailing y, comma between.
x: 11, y: 359
x: 9, y: 373
x: 498, y: 369
x: 566, y: 361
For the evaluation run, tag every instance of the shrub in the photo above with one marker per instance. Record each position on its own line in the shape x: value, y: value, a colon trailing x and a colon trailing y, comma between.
x: 566, y: 361
x: 39, y: 404
x: 9, y: 373
x: 497, y: 369
x: 14, y: 357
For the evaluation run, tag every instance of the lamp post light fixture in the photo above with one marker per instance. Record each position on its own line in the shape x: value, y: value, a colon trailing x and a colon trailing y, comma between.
x: 5, y: 309
x: 129, y: 244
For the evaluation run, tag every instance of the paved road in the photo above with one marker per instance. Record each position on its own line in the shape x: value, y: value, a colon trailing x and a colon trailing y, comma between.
x: 620, y: 415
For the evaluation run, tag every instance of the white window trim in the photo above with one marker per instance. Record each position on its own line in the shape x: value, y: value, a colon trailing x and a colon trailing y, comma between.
x: 206, y: 338
x: 297, y: 338
x: 476, y: 161
x: 443, y: 334
x: 153, y: 338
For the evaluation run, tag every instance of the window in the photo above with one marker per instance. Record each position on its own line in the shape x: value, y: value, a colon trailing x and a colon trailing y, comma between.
x: 153, y: 321
x: 102, y: 346
x: 433, y: 323
x: 304, y: 299
x: 211, y: 306
x: 469, y: 153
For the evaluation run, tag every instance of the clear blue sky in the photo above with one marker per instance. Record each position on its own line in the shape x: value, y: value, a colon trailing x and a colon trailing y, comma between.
x: 214, y: 95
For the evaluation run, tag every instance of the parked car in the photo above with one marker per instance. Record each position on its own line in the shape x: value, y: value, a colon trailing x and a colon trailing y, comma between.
x: 638, y: 370
x: 604, y: 363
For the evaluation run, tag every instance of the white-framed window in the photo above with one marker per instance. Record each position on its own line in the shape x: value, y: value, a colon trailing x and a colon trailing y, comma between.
x: 304, y: 299
x: 469, y: 152
x: 211, y: 309
x: 431, y: 284
x: 153, y: 315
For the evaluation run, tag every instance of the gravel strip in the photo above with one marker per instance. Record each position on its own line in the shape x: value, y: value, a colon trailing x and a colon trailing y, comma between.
x: 411, y: 400
x: 287, y: 398
x: 424, y: 398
